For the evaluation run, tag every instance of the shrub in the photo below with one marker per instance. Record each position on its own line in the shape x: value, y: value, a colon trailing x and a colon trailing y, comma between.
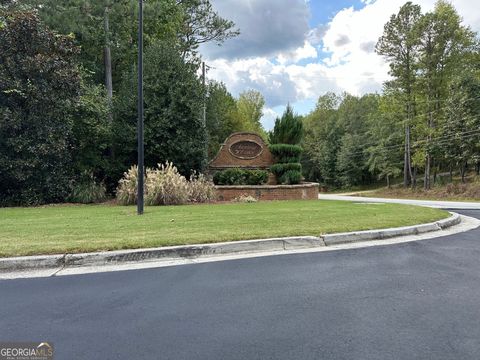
x: 240, y: 177
x: 286, y: 153
x: 87, y: 192
x: 279, y: 169
x: 201, y: 189
x: 165, y: 186
x: 257, y: 177
x: 291, y: 177
x: 127, y: 187
x: 230, y: 177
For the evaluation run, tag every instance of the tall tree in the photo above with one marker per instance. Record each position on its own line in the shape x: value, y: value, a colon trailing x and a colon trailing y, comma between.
x: 202, y: 24
x: 443, y: 41
x: 288, y: 129
x: 322, y: 141
x: 399, y: 45
x: 221, y: 114
x: 174, y: 129
x: 250, y: 105
x: 39, y: 90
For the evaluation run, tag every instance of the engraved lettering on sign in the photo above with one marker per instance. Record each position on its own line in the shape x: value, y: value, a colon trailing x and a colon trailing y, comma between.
x: 245, y: 149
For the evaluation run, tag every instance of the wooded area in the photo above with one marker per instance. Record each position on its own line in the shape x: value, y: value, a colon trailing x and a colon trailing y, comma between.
x: 426, y: 121
x: 68, y: 100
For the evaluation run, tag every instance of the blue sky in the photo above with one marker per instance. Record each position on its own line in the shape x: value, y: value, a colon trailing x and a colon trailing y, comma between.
x: 294, y: 51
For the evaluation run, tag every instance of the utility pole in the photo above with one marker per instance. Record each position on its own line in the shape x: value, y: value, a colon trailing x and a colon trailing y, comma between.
x: 140, y: 112
x: 204, y: 74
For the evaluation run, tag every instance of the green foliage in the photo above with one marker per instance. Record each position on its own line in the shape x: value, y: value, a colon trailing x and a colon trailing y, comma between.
x: 286, y: 153
x: 221, y: 115
x: 188, y: 23
x: 39, y: 91
x: 250, y: 105
x: 174, y: 130
x: 91, y: 133
x: 291, y: 177
x: 281, y: 168
x: 88, y: 191
x: 237, y: 176
x: 288, y: 129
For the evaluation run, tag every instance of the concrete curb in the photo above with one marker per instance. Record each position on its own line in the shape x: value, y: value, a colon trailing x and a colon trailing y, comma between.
x: 226, y: 248
x: 343, y: 238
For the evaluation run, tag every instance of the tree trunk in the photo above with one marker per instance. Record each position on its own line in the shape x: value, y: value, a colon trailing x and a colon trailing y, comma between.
x: 463, y: 170
x: 426, y: 182
x: 407, y: 168
x: 388, y: 181
x: 108, y: 61
x: 451, y: 173
x: 414, y: 177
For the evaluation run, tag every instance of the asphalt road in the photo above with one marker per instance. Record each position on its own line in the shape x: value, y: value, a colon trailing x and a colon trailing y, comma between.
x: 418, y: 300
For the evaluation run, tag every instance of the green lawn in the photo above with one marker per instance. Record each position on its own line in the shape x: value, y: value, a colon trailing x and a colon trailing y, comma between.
x: 60, y: 229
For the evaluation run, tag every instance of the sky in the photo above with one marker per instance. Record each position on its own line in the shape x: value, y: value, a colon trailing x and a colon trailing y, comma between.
x: 294, y: 51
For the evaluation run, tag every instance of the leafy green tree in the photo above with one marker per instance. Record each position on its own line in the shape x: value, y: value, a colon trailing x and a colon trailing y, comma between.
x: 221, y: 115
x: 461, y: 140
x: 250, y: 110
x: 288, y: 129
x: 322, y: 141
x: 385, y: 138
x: 91, y: 135
x: 39, y: 89
x: 399, y: 44
x: 174, y: 129
x: 443, y: 42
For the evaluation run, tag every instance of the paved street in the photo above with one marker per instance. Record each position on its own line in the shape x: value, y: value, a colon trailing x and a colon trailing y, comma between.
x: 418, y: 300
x: 452, y: 205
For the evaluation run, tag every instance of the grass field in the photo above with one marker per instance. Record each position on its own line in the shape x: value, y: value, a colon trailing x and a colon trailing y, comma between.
x: 81, y: 228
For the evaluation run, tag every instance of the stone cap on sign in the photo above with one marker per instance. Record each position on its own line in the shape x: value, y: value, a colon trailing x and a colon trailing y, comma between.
x: 242, y: 150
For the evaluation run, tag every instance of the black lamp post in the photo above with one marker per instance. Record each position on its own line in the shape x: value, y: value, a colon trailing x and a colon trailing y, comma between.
x: 140, y: 111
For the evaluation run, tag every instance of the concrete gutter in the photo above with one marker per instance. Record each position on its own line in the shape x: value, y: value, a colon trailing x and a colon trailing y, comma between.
x: 170, y: 253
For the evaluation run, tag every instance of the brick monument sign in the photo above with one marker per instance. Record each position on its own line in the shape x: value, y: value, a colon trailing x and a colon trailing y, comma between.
x: 247, y: 150
x: 242, y: 150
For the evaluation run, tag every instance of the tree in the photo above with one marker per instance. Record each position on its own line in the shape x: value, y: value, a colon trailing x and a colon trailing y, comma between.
x: 385, y: 134
x: 288, y: 129
x: 39, y: 90
x: 250, y: 110
x: 461, y: 129
x: 222, y: 117
x: 201, y: 24
x: 443, y: 42
x: 322, y: 141
x: 174, y: 130
x: 399, y: 45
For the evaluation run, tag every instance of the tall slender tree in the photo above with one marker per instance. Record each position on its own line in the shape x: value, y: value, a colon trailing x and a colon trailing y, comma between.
x: 399, y: 45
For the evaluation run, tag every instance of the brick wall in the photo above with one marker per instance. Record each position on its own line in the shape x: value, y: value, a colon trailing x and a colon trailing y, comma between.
x: 305, y: 191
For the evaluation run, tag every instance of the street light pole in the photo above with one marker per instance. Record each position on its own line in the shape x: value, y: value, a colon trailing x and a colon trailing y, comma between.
x: 140, y: 178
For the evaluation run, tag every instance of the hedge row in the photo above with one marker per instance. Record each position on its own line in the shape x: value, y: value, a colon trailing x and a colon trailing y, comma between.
x: 240, y: 177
